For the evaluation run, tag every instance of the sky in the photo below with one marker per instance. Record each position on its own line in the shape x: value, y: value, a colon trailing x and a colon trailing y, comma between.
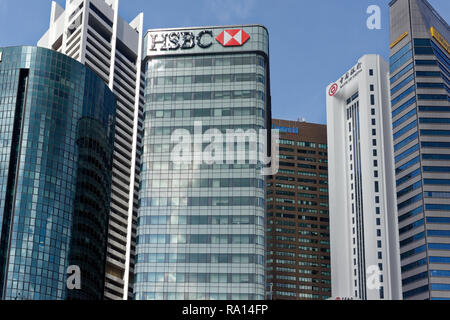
x: 312, y: 43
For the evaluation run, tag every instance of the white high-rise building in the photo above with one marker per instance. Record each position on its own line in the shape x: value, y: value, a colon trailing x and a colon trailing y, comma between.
x: 92, y: 32
x: 365, y: 259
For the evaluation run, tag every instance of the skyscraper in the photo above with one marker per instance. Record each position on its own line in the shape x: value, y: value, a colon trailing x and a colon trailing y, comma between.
x: 92, y: 32
x: 298, y: 239
x: 57, y: 133
x: 363, y: 215
x: 420, y: 87
x: 201, y: 224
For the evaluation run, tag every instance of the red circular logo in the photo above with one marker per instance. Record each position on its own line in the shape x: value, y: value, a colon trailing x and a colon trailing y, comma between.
x: 334, y: 88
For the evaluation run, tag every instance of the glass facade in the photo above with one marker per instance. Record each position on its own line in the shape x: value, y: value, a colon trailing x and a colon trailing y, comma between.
x: 57, y: 130
x: 420, y: 73
x: 201, y: 226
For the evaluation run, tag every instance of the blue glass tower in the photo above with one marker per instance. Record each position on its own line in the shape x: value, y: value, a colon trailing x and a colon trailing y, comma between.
x: 420, y: 89
x: 200, y: 233
x: 56, y: 144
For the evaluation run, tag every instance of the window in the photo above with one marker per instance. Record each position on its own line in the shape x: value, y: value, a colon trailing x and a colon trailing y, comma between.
x: 372, y: 87
x: 371, y: 72
x: 403, y: 95
x: 403, y: 106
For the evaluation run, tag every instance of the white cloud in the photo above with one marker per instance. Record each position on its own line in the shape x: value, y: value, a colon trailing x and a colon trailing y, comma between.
x: 228, y: 11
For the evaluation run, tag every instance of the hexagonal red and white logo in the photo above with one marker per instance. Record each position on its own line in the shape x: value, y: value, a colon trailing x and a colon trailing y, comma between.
x: 233, y: 38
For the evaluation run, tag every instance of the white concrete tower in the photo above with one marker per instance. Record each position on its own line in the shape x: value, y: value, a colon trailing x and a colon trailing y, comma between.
x: 92, y: 32
x: 365, y: 259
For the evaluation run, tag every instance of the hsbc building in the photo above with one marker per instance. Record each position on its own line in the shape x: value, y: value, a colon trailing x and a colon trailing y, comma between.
x: 201, y: 226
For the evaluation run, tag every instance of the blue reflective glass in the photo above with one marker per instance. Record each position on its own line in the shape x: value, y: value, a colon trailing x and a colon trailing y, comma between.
x: 410, y: 214
x: 400, y: 58
x: 402, y: 72
x: 400, y: 52
x: 404, y: 142
x: 408, y: 177
x: 415, y: 292
x: 407, y: 165
x: 412, y: 239
x: 439, y: 259
x: 432, y: 97
x: 434, y: 109
x: 406, y: 153
x: 404, y: 130
x: 423, y: 51
x: 403, y: 95
x: 402, y: 84
x: 413, y: 252
x: 436, y: 169
x: 430, y: 85
x: 439, y: 246
x: 415, y: 278
x: 430, y: 144
x: 414, y: 264
x: 411, y: 226
x: 395, y: 124
x: 435, y: 132
x: 440, y: 273
x: 435, y: 120
x: 438, y: 207
x: 410, y: 201
x: 409, y: 189
x: 428, y: 73
x: 427, y: 156
x: 403, y: 106
x: 438, y: 220
x: 426, y: 62
x: 422, y: 42
x: 439, y: 233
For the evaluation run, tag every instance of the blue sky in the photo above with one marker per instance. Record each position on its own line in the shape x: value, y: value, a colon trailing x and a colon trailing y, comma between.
x: 312, y: 42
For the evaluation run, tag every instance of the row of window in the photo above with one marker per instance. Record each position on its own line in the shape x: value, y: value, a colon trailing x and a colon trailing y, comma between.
x: 169, y: 130
x: 205, y: 112
x: 200, y: 239
x: 206, y: 79
x: 209, y: 183
x: 205, y: 95
x: 184, y: 296
x: 200, y: 220
x: 179, y: 277
x: 302, y: 144
x: 201, y: 202
x: 199, y: 258
x: 196, y: 62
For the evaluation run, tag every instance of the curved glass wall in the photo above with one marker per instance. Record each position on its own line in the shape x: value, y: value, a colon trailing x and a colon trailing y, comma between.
x: 56, y: 144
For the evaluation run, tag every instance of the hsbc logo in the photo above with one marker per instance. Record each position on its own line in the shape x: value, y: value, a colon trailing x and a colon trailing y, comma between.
x: 233, y: 38
x: 204, y: 39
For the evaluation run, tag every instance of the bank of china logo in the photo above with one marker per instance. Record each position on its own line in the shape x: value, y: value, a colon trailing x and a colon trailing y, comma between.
x: 233, y: 38
x: 333, y: 89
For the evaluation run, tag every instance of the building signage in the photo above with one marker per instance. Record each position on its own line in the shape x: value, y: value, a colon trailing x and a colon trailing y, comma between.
x: 204, y: 39
x: 403, y: 36
x: 345, y: 79
x: 1, y: 54
x: 233, y: 38
x: 285, y: 129
x: 439, y: 38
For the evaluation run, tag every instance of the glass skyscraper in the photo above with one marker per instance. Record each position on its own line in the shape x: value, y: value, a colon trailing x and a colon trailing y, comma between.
x: 420, y: 90
x: 201, y: 226
x: 56, y: 135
